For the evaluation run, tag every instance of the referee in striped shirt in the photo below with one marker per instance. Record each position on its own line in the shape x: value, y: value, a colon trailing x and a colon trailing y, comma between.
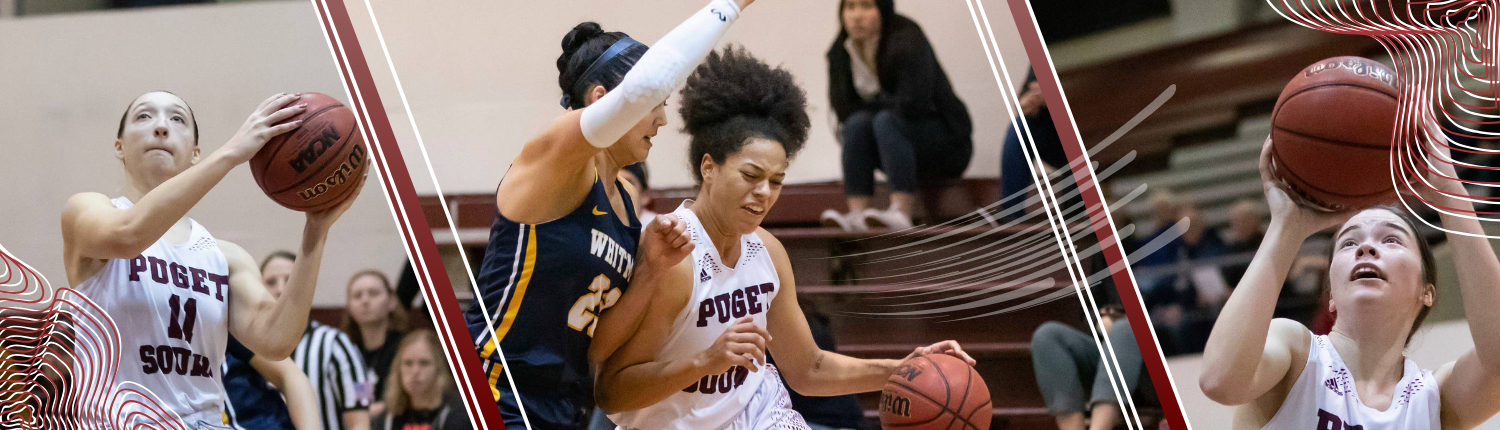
x: 333, y: 364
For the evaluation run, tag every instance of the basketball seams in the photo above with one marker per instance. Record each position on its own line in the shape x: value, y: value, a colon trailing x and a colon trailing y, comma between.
x: 1303, y: 182
x: 339, y: 148
x: 913, y: 391
x: 1336, y: 142
x: 946, y: 407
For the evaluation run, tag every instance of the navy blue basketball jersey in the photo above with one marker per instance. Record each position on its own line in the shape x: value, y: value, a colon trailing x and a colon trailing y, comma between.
x: 253, y: 403
x: 543, y: 287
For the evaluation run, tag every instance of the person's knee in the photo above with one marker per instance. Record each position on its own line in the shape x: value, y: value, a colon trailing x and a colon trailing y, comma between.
x: 1050, y: 333
x: 886, y: 121
x: 858, y: 129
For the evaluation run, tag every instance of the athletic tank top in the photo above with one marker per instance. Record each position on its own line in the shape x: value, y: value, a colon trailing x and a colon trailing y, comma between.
x: 1324, y: 397
x: 544, y: 285
x: 721, y: 295
x: 170, y: 304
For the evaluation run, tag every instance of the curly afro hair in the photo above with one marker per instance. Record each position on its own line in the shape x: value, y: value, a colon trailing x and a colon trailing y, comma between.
x: 734, y: 97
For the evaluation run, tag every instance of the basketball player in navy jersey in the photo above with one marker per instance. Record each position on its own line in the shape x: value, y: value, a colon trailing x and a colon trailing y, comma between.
x: 697, y: 359
x: 1382, y: 281
x: 175, y: 291
x: 563, y: 246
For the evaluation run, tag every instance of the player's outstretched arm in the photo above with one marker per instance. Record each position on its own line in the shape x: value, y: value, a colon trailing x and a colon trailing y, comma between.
x: 630, y: 378
x: 1469, y: 387
x: 664, y: 245
x: 812, y: 371
x: 553, y: 167
x: 94, y: 228
x: 272, y: 326
x: 1247, y: 354
x: 301, y: 400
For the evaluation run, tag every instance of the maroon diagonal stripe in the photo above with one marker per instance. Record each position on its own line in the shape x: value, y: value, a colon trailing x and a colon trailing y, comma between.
x: 1031, y: 38
x: 386, y: 156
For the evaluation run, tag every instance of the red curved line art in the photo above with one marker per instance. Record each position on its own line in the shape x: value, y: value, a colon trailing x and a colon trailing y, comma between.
x: 1448, y: 77
x: 59, y: 352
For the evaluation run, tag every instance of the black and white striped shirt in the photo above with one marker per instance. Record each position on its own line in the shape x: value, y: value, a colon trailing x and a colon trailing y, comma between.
x: 333, y: 365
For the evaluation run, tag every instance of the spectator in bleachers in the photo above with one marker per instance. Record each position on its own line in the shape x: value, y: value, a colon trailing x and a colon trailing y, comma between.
x: 330, y: 360
x: 263, y: 393
x: 375, y: 322
x: 421, y: 394
x: 1015, y: 174
x: 1243, y: 236
x: 1164, y: 238
x: 1072, y: 375
x: 897, y: 113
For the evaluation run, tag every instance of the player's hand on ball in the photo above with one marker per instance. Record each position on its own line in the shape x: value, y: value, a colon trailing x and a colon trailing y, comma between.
x: 742, y: 344
x: 1299, y: 219
x: 325, y: 218
x: 949, y: 347
x: 665, y: 242
x: 265, y: 123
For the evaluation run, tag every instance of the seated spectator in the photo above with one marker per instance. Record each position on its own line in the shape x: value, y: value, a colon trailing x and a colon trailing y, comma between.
x: 1074, y: 378
x: 1243, y: 237
x: 1015, y: 172
x: 421, y: 394
x: 375, y: 322
x: 330, y: 360
x: 897, y: 113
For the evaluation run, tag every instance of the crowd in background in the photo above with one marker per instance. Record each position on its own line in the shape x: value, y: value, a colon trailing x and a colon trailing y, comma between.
x: 378, y: 371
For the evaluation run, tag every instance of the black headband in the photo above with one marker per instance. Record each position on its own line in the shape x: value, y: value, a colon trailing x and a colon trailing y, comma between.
x: 597, y: 67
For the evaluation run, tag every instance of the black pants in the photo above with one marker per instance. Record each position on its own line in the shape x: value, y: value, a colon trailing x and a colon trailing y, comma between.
x: 909, y: 151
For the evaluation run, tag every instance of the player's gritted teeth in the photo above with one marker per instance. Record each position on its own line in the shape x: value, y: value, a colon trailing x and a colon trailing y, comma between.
x: 1366, y: 271
x: 754, y: 209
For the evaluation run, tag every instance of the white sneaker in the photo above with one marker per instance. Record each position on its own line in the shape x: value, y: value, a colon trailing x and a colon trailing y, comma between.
x: 849, y: 222
x: 889, y: 218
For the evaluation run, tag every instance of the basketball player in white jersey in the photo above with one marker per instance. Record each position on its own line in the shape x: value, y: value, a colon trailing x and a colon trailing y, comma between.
x: 174, y: 291
x: 1382, y: 282
x: 698, y: 358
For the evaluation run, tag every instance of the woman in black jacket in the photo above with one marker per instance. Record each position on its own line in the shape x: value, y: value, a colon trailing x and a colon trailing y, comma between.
x: 897, y: 112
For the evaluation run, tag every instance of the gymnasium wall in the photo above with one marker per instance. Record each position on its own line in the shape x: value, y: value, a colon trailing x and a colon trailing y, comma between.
x: 475, y: 118
x: 61, y: 110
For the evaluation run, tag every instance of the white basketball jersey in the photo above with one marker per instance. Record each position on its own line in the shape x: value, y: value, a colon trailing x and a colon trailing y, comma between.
x: 721, y: 295
x: 170, y: 305
x: 1324, y: 398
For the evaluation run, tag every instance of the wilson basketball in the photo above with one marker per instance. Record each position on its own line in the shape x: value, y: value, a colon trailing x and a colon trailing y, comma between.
x: 933, y: 392
x: 1331, y: 134
x: 317, y: 165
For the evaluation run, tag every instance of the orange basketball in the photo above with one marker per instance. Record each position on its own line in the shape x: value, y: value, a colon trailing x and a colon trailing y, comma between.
x: 317, y: 165
x: 933, y: 392
x: 1331, y: 134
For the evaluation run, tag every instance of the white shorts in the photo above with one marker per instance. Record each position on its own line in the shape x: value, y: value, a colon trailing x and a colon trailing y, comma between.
x: 770, y: 408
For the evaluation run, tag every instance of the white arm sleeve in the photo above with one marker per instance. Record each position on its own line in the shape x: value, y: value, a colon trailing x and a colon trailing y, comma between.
x: 661, y: 70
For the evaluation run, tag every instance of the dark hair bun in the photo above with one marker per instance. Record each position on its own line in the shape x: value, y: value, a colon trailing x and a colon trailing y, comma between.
x: 581, y: 34
x: 733, y: 84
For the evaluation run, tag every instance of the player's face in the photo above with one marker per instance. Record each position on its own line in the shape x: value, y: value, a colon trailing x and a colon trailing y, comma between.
x: 1377, y: 264
x: 275, y: 275
x: 368, y: 300
x: 745, y: 187
x: 157, y: 139
x: 861, y: 19
x: 418, y: 369
x: 636, y: 144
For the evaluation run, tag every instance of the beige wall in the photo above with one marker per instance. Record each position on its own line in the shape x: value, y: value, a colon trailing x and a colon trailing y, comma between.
x: 65, y: 80
x: 480, y: 75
